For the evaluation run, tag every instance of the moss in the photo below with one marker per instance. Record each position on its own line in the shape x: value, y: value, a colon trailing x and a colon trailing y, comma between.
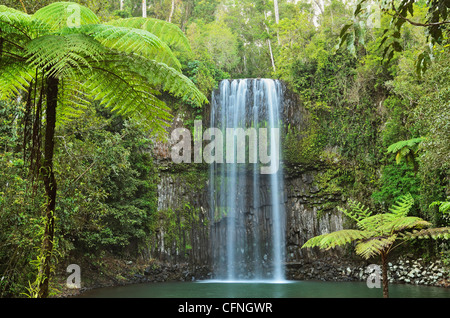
x: 177, y: 222
x: 301, y: 145
x: 333, y: 183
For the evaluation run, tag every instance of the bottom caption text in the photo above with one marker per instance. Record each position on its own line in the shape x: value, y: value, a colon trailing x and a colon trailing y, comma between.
x: 226, y: 307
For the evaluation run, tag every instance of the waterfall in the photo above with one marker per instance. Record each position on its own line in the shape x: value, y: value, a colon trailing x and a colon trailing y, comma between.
x: 247, y: 204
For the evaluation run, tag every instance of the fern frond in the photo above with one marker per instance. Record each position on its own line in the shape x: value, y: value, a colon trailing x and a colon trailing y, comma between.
x: 400, y: 224
x: 435, y: 233
x: 161, y: 77
x: 127, y: 93
x: 410, y: 143
x: 402, y: 205
x: 405, y: 149
x: 338, y: 238
x: 444, y: 206
x: 357, y: 211
x: 129, y: 40
x: 167, y: 32
x: 374, y: 246
x: 168, y: 79
x: 59, y: 15
x: 14, y: 22
x: 62, y: 55
x: 72, y: 101
x: 375, y: 222
x: 15, y: 76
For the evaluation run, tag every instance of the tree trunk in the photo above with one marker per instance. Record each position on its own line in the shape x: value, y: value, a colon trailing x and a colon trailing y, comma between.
x: 171, y: 11
x: 1, y: 46
x: 385, y: 275
x: 48, y: 177
x: 277, y: 18
x: 144, y: 8
x: 271, y: 55
x: 121, y: 5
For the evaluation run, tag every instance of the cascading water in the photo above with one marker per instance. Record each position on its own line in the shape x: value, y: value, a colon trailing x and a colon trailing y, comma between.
x: 247, y: 204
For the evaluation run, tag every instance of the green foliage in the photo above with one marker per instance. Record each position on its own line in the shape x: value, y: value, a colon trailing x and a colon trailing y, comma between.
x: 376, y: 233
x: 301, y: 146
x: 124, y: 68
x: 365, y: 103
x: 205, y: 10
x: 168, y: 33
x: 214, y: 42
x: 406, y: 149
x: 101, y: 58
x: 21, y: 201
x: 357, y: 211
x: 402, y: 14
x: 395, y: 180
x: 444, y: 206
x: 110, y: 194
x: 106, y: 198
x: 432, y: 115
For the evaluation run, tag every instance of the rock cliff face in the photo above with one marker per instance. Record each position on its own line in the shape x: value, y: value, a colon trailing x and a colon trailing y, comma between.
x: 304, y: 216
x: 182, y: 226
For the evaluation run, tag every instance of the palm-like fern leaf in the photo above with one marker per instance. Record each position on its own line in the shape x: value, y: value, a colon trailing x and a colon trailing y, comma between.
x: 62, y: 55
x: 14, y: 21
x: 394, y: 221
x: 400, y: 224
x: 338, y: 238
x: 15, y: 76
x: 374, y: 246
x: 356, y: 211
x: 123, y: 65
x: 127, y: 93
x: 167, y: 79
x: 410, y: 143
x: 375, y: 222
x: 404, y: 148
x: 167, y: 32
x: 435, y: 233
x: 59, y: 15
x: 402, y: 205
x: 129, y: 40
x: 73, y: 101
x: 444, y: 206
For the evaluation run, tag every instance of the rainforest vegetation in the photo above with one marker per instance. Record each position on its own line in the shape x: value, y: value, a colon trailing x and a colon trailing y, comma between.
x: 82, y: 107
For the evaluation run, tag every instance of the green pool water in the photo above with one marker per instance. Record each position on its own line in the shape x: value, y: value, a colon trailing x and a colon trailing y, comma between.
x: 285, y: 289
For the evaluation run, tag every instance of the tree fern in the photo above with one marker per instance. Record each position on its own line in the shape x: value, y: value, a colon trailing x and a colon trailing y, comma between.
x: 377, y: 233
x: 167, y: 32
x: 405, y: 149
x: 63, y: 58
x: 63, y: 55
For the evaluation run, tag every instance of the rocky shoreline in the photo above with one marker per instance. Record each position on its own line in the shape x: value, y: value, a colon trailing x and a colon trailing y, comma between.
x: 401, y: 271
